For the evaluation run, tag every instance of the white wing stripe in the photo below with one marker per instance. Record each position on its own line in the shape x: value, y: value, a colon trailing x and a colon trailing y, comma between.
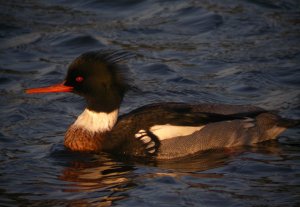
x: 168, y: 131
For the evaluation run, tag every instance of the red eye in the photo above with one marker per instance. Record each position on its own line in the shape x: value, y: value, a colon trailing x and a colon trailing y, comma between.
x: 79, y: 79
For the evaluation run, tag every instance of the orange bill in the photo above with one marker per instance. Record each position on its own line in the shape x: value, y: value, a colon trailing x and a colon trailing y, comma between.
x: 50, y: 89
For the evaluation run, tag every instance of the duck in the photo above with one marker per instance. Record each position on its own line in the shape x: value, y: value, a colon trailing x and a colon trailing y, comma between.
x: 161, y: 131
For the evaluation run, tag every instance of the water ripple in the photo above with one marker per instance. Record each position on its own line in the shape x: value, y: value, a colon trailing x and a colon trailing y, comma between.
x: 244, y: 52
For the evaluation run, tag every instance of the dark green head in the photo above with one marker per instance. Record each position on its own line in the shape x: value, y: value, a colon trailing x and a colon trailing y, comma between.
x: 99, y: 78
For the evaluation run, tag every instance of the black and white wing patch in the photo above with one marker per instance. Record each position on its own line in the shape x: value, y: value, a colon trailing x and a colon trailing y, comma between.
x: 149, y: 140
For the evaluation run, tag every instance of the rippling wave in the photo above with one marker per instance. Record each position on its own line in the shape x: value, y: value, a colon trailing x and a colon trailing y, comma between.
x: 237, y: 52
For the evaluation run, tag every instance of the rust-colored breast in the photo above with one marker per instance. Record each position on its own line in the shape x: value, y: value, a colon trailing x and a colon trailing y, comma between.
x: 79, y: 139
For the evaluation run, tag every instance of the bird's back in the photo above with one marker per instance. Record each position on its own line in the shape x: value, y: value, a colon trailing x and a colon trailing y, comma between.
x: 198, y: 127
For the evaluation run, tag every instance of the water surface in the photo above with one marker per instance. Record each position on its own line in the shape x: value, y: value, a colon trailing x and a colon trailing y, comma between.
x: 236, y: 52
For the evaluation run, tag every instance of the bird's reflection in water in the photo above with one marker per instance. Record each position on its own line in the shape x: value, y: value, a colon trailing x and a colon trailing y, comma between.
x: 102, y: 180
x: 96, y: 180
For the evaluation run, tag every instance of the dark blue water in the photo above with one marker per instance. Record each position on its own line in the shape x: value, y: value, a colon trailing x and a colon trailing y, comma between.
x: 237, y: 52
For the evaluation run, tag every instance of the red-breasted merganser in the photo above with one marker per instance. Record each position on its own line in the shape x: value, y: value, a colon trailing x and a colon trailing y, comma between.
x: 159, y: 131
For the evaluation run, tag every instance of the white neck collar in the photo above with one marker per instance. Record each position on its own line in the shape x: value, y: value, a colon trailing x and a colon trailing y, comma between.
x: 97, y: 121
